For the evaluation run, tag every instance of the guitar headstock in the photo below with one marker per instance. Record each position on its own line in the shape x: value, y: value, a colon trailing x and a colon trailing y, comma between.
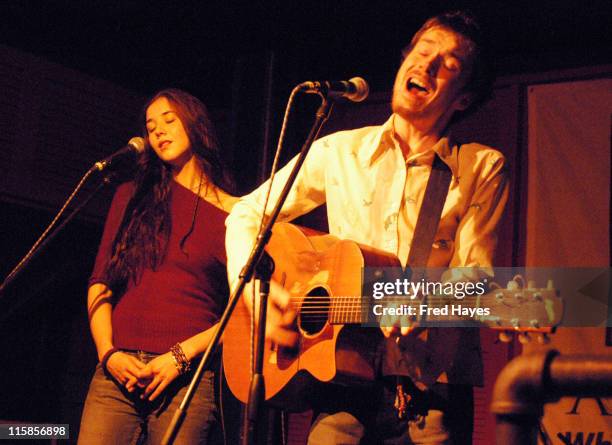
x: 524, y: 311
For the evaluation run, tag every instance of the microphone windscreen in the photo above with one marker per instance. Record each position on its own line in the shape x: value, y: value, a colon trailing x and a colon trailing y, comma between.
x: 362, y: 89
x: 137, y: 143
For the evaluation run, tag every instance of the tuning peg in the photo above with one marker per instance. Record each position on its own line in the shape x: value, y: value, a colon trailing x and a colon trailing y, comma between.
x: 524, y: 338
x: 513, y: 285
x: 505, y: 337
x: 543, y: 338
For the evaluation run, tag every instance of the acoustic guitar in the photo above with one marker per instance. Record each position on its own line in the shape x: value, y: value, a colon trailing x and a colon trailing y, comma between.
x: 323, y: 274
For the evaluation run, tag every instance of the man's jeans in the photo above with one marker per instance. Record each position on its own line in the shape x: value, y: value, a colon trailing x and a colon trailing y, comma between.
x: 350, y: 416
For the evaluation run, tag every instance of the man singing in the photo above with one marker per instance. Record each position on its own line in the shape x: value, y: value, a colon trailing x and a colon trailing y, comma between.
x: 373, y: 180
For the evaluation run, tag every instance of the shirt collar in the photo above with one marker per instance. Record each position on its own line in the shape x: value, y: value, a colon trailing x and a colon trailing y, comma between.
x: 448, y: 151
x: 446, y: 148
x: 380, y: 140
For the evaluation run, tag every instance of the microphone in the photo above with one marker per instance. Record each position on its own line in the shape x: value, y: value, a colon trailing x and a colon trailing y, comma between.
x: 136, y: 145
x: 355, y: 89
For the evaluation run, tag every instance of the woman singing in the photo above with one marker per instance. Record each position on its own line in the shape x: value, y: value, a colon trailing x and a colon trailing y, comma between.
x: 159, y: 283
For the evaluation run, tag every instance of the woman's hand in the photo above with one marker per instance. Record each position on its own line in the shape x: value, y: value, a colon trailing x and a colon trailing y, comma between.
x: 125, y: 369
x: 158, y: 373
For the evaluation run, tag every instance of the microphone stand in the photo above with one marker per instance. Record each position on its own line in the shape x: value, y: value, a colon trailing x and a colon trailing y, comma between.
x: 42, y: 243
x: 257, y: 388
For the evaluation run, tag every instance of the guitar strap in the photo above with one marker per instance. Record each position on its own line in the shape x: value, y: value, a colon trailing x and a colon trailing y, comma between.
x: 420, y: 249
x: 429, y: 215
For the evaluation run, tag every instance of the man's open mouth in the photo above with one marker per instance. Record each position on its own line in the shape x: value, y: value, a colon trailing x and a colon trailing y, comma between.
x: 417, y: 85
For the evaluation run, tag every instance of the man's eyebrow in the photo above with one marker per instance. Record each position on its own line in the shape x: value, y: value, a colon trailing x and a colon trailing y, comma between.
x: 427, y: 40
x: 459, y: 53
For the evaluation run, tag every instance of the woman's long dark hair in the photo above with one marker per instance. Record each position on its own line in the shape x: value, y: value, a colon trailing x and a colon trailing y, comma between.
x: 144, y: 231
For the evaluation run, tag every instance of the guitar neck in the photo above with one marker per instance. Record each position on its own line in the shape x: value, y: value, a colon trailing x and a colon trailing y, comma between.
x: 359, y: 310
x: 348, y: 310
x: 526, y: 309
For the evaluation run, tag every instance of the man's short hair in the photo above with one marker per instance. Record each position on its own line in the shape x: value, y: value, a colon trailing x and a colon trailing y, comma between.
x: 482, y: 76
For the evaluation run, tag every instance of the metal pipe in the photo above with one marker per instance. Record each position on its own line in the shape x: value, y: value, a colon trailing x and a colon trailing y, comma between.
x: 529, y: 381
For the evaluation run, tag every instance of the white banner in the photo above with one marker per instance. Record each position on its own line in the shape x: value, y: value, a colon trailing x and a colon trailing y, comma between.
x: 568, y: 224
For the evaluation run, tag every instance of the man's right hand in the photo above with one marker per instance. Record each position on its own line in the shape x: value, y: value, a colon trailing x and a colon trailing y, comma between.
x: 280, y: 318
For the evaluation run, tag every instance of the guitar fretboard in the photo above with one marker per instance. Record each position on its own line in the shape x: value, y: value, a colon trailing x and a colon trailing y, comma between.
x: 531, y: 308
x: 358, y: 310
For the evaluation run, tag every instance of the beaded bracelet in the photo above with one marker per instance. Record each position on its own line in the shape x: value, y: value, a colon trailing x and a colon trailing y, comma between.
x: 180, y: 359
x: 106, y: 356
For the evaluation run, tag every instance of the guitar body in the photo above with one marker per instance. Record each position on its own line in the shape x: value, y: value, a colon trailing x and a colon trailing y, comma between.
x: 323, y: 276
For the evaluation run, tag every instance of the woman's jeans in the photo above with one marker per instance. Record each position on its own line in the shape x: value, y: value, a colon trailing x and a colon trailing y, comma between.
x: 111, y: 415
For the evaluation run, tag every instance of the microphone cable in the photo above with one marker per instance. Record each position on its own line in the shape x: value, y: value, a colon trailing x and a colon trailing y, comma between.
x: 279, y: 148
x: 45, y: 236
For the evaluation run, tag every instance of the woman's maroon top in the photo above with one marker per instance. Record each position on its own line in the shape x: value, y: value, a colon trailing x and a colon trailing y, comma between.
x: 187, y: 293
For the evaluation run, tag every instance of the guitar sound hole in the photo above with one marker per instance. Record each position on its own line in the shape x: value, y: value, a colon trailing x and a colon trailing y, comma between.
x: 314, y: 311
